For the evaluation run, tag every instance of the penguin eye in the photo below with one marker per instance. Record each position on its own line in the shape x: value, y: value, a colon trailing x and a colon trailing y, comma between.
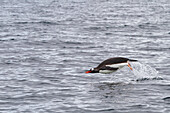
x: 92, y: 69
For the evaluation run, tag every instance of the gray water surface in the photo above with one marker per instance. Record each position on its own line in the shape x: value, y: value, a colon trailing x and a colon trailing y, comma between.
x: 46, y: 47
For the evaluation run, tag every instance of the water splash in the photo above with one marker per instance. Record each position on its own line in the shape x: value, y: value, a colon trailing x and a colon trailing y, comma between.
x: 144, y: 72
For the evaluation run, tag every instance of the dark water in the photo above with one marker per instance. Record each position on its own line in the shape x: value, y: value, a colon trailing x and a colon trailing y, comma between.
x: 46, y: 46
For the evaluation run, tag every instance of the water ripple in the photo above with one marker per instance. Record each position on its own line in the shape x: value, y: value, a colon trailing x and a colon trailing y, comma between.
x: 46, y: 46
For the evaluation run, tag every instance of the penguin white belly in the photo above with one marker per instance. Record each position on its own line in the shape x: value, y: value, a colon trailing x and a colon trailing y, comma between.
x: 119, y: 65
x: 107, y: 71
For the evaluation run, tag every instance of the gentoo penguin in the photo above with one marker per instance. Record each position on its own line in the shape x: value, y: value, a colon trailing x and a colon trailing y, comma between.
x: 111, y: 65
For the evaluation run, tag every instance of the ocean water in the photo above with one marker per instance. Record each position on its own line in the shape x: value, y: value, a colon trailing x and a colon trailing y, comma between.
x: 47, y: 45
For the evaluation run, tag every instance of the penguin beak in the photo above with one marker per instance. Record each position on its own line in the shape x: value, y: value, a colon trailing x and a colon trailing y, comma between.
x: 88, y: 71
x: 130, y: 66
